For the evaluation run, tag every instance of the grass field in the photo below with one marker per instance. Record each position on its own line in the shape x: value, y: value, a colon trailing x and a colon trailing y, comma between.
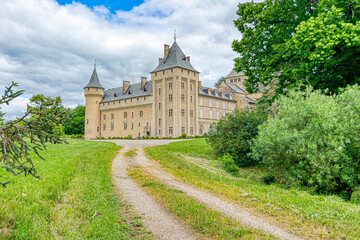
x: 312, y: 216
x: 75, y: 198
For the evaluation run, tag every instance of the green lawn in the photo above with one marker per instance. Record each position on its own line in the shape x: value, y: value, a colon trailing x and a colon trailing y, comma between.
x: 75, y: 184
x: 312, y: 216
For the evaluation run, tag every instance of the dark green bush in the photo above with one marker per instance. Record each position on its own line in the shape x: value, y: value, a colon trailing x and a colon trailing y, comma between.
x: 233, y: 134
x: 268, y: 179
x: 314, y: 140
x: 228, y: 163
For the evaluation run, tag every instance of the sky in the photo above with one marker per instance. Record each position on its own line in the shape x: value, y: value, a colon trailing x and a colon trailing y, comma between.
x: 49, y: 46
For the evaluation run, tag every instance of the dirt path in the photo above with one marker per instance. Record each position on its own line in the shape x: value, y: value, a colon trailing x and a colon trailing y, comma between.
x: 155, y: 217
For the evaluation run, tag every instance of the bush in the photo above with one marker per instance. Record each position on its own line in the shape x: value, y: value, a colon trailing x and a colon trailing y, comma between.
x: 183, y: 135
x: 129, y: 137
x: 227, y: 162
x: 267, y: 179
x: 233, y: 134
x: 314, y: 140
x: 355, y: 196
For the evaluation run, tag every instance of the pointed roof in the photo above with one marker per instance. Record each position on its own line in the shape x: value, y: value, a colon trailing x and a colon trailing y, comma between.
x: 94, y: 80
x: 233, y: 73
x: 175, y: 58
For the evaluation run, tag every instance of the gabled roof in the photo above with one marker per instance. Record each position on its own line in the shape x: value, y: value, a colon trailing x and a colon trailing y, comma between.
x: 175, y: 58
x: 234, y: 74
x: 94, y: 81
x: 133, y: 91
x: 236, y: 88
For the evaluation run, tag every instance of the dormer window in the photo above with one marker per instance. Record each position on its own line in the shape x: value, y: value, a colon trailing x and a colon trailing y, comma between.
x: 115, y: 95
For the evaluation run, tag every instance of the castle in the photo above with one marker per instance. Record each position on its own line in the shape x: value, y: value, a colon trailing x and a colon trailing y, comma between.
x: 172, y: 103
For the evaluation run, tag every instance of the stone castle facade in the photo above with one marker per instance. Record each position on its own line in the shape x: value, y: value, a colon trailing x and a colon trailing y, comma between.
x: 171, y: 103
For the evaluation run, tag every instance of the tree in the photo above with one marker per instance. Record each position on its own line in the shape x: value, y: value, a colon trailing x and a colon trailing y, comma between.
x: 75, y: 122
x: 26, y: 134
x: 221, y: 79
x: 298, y: 42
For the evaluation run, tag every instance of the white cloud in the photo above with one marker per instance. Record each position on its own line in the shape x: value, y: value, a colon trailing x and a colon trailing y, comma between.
x: 48, y: 48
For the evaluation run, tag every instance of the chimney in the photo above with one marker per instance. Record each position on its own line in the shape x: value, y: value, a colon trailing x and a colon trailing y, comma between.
x: 160, y: 60
x: 143, y: 82
x: 126, y: 85
x: 166, y: 51
x: 200, y: 87
x: 188, y: 58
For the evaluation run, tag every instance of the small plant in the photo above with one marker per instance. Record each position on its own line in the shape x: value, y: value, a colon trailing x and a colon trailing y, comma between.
x: 129, y: 136
x: 268, y: 179
x: 155, y: 137
x: 228, y: 163
x: 355, y: 196
x: 183, y: 135
x: 147, y: 137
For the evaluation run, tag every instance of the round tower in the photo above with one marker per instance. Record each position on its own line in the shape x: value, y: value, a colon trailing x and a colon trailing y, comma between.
x: 94, y: 93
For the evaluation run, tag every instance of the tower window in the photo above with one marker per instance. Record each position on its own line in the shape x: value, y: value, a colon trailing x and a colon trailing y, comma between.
x: 141, y: 113
x: 132, y: 126
x: 104, y: 127
x: 104, y: 116
x: 112, y: 127
x: 183, y: 112
x: 191, y: 113
x: 170, y: 130
x: 183, y: 97
x: 159, y: 106
x: 132, y: 114
x: 112, y: 116
x: 159, y: 91
x: 191, y: 87
x: 191, y: 99
x: 125, y: 114
x: 125, y: 126
x: 97, y: 129
x: 182, y: 85
x: 182, y: 129
x: 159, y: 121
x: 170, y: 97
x: 170, y: 112
x: 170, y: 85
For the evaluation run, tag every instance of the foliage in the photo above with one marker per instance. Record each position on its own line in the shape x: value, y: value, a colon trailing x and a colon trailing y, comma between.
x: 233, y: 134
x: 219, y: 81
x: 297, y: 42
x: 28, y: 133
x: 183, y: 135
x: 314, y: 139
x: 267, y: 179
x: 75, y: 120
x: 228, y: 163
x: 355, y: 196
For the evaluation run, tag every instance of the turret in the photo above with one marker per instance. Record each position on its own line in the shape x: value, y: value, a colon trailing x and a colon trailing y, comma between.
x: 94, y: 93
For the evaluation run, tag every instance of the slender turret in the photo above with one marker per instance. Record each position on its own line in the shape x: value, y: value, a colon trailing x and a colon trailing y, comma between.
x: 94, y: 93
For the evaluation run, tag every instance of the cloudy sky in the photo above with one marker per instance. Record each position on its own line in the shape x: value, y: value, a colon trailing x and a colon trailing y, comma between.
x: 49, y: 46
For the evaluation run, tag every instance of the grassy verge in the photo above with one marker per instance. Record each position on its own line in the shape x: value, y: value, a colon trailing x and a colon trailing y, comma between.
x: 130, y: 153
x: 208, y: 223
x: 75, y: 198
x: 313, y: 216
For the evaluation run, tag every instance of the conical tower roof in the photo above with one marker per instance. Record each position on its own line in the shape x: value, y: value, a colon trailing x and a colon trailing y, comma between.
x: 94, y: 80
x: 175, y: 58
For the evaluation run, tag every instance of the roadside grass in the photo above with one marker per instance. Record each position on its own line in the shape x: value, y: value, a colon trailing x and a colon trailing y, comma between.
x: 74, y: 199
x: 300, y: 212
x: 130, y: 153
x: 207, y: 223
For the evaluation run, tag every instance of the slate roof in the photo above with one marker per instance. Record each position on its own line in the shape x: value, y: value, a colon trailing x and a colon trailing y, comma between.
x: 248, y: 99
x: 234, y: 74
x: 175, y: 58
x: 94, y: 81
x: 134, y: 90
x: 236, y: 88
x: 222, y: 95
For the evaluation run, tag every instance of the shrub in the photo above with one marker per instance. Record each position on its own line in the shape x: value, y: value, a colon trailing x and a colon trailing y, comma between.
x: 355, y: 196
x: 228, y: 163
x: 183, y: 135
x: 234, y: 133
x: 147, y: 137
x: 129, y: 136
x: 314, y: 140
x: 267, y: 179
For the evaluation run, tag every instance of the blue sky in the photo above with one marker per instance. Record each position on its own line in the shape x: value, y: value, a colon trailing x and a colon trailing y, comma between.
x: 112, y: 5
x: 49, y: 47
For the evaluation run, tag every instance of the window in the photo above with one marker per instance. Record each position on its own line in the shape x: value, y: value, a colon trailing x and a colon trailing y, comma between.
x: 159, y: 131
x: 191, y: 87
x: 191, y: 99
x: 170, y: 97
x: 87, y: 121
x: 210, y: 114
x: 159, y: 91
x: 201, y: 101
x: 191, y: 113
x: 132, y: 114
x: 170, y: 84
x: 191, y: 130
x: 125, y: 126
x: 232, y: 106
x: 141, y: 113
x: 182, y: 85
x: 159, y: 121
x: 139, y: 124
x: 231, y: 80
x: 132, y: 126
x: 217, y: 103
x: 112, y: 127
x: 224, y: 105
x: 97, y: 129
x: 104, y: 127
x: 201, y: 113
x: 210, y: 102
x: 182, y: 129
x: 112, y: 116
x: 170, y: 112
x: 125, y: 114
x: 159, y: 106
x: 183, y: 112
x: 218, y: 115
x: 170, y: 130
x: 235, y: 80
x: 183, y: 97
x: 104, y: 116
